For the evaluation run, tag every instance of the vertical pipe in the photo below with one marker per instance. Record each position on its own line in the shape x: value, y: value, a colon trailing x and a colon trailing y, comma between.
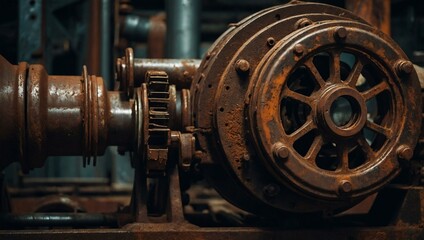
x: 93, y: 53
x: 156, y: 37
x: 183, y: 28
x: 106, y: 68
x: 135, y: 27
x: 106, y: 42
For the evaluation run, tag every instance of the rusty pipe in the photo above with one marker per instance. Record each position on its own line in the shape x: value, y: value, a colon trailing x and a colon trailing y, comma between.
x: 180, y: 71
x: 58, y: 115
x: 75, y: 115
x: 121, y: 120
x: 65, y: 105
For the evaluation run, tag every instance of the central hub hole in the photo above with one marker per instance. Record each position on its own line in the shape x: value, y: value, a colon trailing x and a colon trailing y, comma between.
x: 342, y: 111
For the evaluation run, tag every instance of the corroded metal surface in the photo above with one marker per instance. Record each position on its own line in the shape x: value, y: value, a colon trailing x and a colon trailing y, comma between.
x: 364, y: 163
x: 180, y: 71
x: 301, y: 107
x: 376, y: 12
x: 59, y: 115
x: 174, y: 231
x: 271, y: 134
x: 158, y: 134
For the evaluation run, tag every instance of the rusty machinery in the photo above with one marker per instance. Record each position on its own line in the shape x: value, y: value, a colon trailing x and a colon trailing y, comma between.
x: 301, y: 107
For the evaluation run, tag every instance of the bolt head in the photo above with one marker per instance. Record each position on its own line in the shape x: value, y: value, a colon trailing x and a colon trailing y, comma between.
x: 283, y: 153
x: 271, y: 190
x: 298, y: 49
x: 303, y: 22
x: 280, y: 151
x: 242, y: 66
x: 405, y: 152
x: 340, y: 33
x: 404, y: 67
x: 345, y: 186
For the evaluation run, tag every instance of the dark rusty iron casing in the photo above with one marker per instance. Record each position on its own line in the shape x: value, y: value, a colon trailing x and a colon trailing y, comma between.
x: 276, y: 123
x: 301, y: 107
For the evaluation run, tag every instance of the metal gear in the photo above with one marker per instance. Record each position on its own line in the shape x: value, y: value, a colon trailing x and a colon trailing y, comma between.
x: 158, y: 135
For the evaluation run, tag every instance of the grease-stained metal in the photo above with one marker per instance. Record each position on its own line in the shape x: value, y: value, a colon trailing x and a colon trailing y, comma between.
x: 180, y: 71
x: 282, y: 113
x: 300, y: 108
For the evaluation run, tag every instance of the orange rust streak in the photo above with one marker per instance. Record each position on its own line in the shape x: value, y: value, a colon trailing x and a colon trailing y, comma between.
x: 376, y: 12
x: 269, y: 109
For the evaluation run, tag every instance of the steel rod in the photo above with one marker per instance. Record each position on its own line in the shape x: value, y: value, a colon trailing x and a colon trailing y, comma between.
x: 58, y: 220
x: 180, y: 72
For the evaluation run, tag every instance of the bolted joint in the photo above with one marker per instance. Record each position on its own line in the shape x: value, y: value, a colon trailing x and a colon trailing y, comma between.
x: 187, y: 151
x: 280, y: 151
x: 340, y: 33
x: 242, y: 66
x: 404, y: 67
x: 298, y: 49
x: 404, y: 152
x: 345, y: 187
x: 303, y: 22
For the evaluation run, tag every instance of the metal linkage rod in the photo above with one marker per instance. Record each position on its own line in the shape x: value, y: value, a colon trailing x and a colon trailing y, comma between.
x: 180, y: 71
x: 58, y: 220
x: 45, y: 115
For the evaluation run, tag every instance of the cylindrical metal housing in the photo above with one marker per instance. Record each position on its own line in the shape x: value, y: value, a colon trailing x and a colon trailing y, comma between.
x: 121, y: 122
x: 58, y: 116
x: 64, y: 115
x: 269, y: 100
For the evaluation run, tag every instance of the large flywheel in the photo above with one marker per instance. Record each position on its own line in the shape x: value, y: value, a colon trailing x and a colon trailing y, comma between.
x: 312, y: 110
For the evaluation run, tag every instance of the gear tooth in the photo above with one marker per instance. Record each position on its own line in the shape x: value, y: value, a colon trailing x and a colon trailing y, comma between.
x: 159, y: 131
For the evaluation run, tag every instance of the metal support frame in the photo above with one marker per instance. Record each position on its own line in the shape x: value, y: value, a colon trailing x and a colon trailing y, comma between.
x: 30, y: 45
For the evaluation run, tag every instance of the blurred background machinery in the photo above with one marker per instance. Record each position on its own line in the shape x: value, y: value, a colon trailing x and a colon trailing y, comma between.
x: 211, y: 119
